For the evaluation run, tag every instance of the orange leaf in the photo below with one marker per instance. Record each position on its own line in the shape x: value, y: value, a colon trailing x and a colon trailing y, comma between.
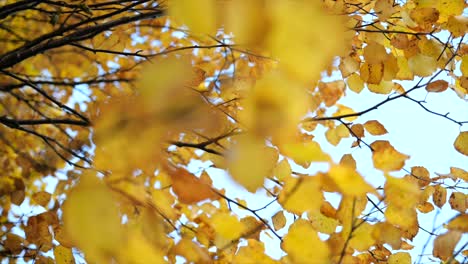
x: 437, y: 86
x: 190, y: 189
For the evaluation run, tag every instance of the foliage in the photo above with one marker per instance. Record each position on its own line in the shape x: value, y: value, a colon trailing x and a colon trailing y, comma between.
x: 109, y: 107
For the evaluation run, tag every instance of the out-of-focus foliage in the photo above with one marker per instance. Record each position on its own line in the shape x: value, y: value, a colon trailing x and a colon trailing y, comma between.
x: 107, y: 106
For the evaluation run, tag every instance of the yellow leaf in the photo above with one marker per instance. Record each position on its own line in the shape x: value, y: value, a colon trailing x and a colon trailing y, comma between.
x: 458, y: 173
x: 279, y: 221
x: 282, y: 170
x: 445, y: 244
x: 384, y: 87
x: 200, y: 16
x: 164, y: 200
x: 425, y: 207
x: 307, y: 22
x: 460, y: 223
x: 401, y: 192
x: 384, y: 232
x: 348, y: 65
x: 439, y: 196
x: 251, y: 162
x: 252, y: 253
x: 461, y: 143
x: 384, y: 9
x: 450, y: 8
x: 349, y: 181
x: 437, y: 86
x: 138, y: 250
x: 63, y: 255
x: 92, y: 220
x: 227, y: 226
x: 301, y: 195
x: 457, y: 25
x: 458, y: 201
x: 401, y: 217
x: 400, y: 258
x: 322, y: 223
x: 362, y: 238
x: 191, y: 251
x: 375, y: 128
x: 184, y: 183
x: 425, y: 17
x: 355, y: 83
x: 305, y: 152
x: 299, y: 241
x: 386, y: 158
x: 422, y: 65
x: 374, y: 53
x: 372, y: 73
x: 348, y: 160
x: 422, y: 174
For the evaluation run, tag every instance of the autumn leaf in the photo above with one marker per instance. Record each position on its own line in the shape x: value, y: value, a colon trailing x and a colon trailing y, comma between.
x: 183, y: 184
x: 300, y: 239
x: 445, y: 244
x: 461, y: 143
x: 375, y: 128
x: 96, y: 226
x: 386, y: 158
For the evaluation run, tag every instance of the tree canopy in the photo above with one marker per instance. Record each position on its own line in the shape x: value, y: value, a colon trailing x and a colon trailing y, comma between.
x: 118, y: 117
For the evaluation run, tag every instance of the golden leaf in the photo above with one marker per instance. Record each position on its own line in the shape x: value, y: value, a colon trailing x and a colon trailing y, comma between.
x: 301, y: 195
x: 400, y: 258
x: 349, y: 181
x: 459, y: 223
x: 200, y: 16
x: 227, y: 225
x: 305, y: 152
x: 458, y: 201
x: 252, y: 253
x: 322, y: 223
x: 375, y: 128
x: 355, y: 83
x: 348, y: 160
x: 63, y: 255
x: 299, y: 241
x: 439, y: 196
x: 386, y: 158
x: 461, y: 143
x: 279, y: 221
x: 401, y: 192
x: 422, y: 65
x: 251, y: 162
x: 91, y: 219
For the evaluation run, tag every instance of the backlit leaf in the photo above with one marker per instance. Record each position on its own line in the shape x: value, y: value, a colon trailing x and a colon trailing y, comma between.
x: 375, y: 128
x: 386, y: 158
x: 183, y: 184
x: 437, y: 86
x: 445, y: 244
x: 279, y: 221
x: 461, y: 143
x: 400, y: 258
x: 63, y: 255
x: 299, y: 241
